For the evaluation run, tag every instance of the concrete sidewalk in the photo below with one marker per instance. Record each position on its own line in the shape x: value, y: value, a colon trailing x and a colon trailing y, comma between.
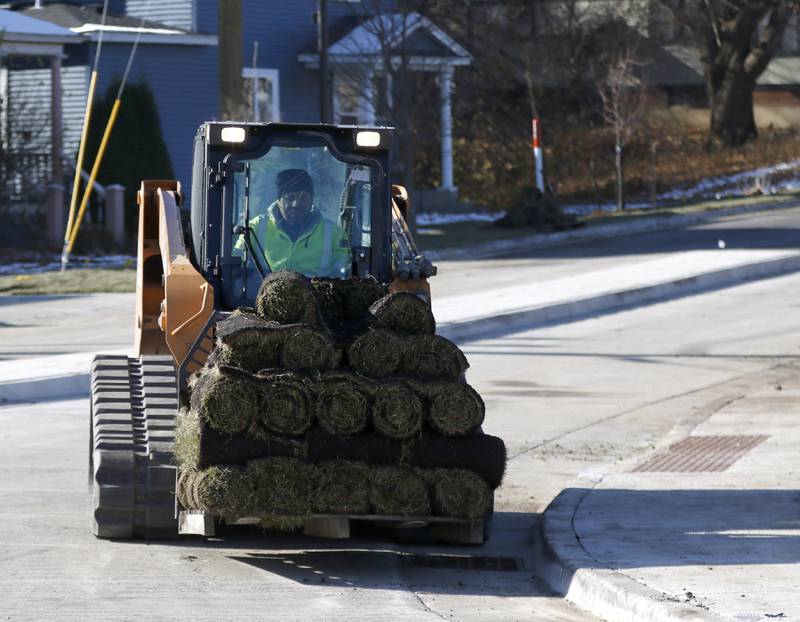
x: 705, y: 527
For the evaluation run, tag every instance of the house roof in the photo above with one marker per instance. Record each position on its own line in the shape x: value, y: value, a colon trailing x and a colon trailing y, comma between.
x: 368, y: 39
x: 87, y: 21
x: 23, y: 28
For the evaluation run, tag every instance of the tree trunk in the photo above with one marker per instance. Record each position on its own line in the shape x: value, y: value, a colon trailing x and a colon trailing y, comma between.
x: 732, y: 120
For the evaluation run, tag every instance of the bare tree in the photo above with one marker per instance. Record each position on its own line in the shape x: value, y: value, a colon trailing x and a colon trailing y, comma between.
x: 736, y: 40
x: 380, y: 77
x: 622, y: 98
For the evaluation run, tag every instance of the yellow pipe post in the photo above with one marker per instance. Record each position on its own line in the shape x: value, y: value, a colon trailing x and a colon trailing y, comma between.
x: 76, y: 184
x: 93, y: 175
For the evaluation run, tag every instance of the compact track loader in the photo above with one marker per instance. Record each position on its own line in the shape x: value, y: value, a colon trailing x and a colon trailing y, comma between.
x: 187, y: 280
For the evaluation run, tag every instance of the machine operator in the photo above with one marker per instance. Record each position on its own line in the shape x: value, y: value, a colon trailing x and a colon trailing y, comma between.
x: 295, y: 235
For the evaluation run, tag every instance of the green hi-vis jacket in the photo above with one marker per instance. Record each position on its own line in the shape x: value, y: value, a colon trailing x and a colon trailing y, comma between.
x: 320, y: 250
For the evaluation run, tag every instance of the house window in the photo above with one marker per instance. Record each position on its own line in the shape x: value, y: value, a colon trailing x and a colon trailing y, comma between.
x: 262, y: 94
x: 353, y: 97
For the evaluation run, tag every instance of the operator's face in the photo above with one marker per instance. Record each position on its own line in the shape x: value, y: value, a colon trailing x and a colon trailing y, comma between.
x: 295, y: 207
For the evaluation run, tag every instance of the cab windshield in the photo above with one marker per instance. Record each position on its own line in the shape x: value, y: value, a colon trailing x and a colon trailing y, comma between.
x: 305, y: 208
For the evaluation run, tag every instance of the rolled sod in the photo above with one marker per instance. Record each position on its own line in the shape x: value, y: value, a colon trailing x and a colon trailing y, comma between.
x: 397, y: 411
x: 342, y: 402
x: 305, y: 347
x: 246, y: 341
x: 398, y: 491
x: 451, y: 408
x: 458, y: 493
x: 282, y: 486
x: 219, y: 490
x: 347, y: 300
x: 198, y: 446
x: 287, y: 297
x: 403, y: 313
x: 226, y: 398
x: 376, y: 353
x: 187, y: 440
x: 481, y: 453
x: 432, y: 357
x: 284, y: 400
x: 183, y: 489
x: 343, y: 488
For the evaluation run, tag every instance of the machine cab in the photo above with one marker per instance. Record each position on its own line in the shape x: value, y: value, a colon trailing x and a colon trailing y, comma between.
x: 267, y: 197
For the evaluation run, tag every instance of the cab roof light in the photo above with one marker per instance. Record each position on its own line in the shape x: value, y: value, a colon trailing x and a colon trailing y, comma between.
x: 233, y: 134
x: 368, y: 138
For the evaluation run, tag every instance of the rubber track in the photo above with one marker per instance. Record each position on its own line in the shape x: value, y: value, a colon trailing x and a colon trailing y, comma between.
x: 134, y: 403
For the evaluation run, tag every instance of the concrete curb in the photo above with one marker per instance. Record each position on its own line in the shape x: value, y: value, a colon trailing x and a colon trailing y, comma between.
x: 576, y: 309
x: 569, y: 570
x: 642, y: 225
x: 46, y: 378
x: 45, y: 389
x: 74, y: 380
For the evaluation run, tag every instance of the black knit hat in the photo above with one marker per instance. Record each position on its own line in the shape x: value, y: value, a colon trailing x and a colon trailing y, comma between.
x: 294, y: 180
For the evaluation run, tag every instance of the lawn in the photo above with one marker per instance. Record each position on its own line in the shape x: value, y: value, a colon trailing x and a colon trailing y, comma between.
x: 77, y: 281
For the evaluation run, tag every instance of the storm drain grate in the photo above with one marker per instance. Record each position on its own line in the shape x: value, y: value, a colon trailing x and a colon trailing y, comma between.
x: 460, y: 562
x: 701, y: 453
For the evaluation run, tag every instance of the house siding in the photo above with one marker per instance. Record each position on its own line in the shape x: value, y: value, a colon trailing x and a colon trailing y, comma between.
x: 29, y: 91
x: 75, y: 86
x: 177, y: 13
x: 185, y: 87
x: 29, y: 110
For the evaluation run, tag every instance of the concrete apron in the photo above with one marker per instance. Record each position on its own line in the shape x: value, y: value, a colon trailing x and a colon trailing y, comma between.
x: 503, y: 310
x: 706, y: 545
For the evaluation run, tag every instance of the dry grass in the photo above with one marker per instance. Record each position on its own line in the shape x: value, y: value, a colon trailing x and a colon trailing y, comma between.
x: 82, y: 281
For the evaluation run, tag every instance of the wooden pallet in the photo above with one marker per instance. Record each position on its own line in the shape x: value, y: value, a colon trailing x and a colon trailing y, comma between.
x: 337, y: 526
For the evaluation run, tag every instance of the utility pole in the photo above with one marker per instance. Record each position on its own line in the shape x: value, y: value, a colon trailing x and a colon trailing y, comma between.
x: 230, y: 61
x: 324, y: 72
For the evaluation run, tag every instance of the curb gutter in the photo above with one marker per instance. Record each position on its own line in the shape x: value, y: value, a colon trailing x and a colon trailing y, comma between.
x: 569, y: 570
x: 571, y: 310
x: 642, y: 225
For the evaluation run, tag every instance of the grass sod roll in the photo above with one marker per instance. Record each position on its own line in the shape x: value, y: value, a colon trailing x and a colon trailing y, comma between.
x: 284, y: 403
x: 226, y: 398
x: 376, y: 353
x: 342, y: 402
x: 221, y: 490
x: 187, y: 440
x: 451, y: 408
x: 398, y: 491
x: 287, y: 297
x: 458, y: 493
x: 397, y: 411
x: 183, y: 488
x: 248, y: 342
x: 198, y: 446
x: 347, y: 300
x: 404, y: 313
x: 481, y: 453
x: 306, y: 347
x: 432, y: 357
x: 282, y: 486
x: 343, y: 488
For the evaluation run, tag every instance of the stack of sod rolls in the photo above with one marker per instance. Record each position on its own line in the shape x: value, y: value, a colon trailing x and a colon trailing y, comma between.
x: 332, y: 396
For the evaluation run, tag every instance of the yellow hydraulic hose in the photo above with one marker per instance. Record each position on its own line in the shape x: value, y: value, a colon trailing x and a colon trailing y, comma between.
x: 93, y: 175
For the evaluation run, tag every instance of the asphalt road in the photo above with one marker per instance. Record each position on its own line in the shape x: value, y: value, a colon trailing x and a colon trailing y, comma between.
x: 769, y: 230
x: 39, y: 325
x: 569, y: 400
